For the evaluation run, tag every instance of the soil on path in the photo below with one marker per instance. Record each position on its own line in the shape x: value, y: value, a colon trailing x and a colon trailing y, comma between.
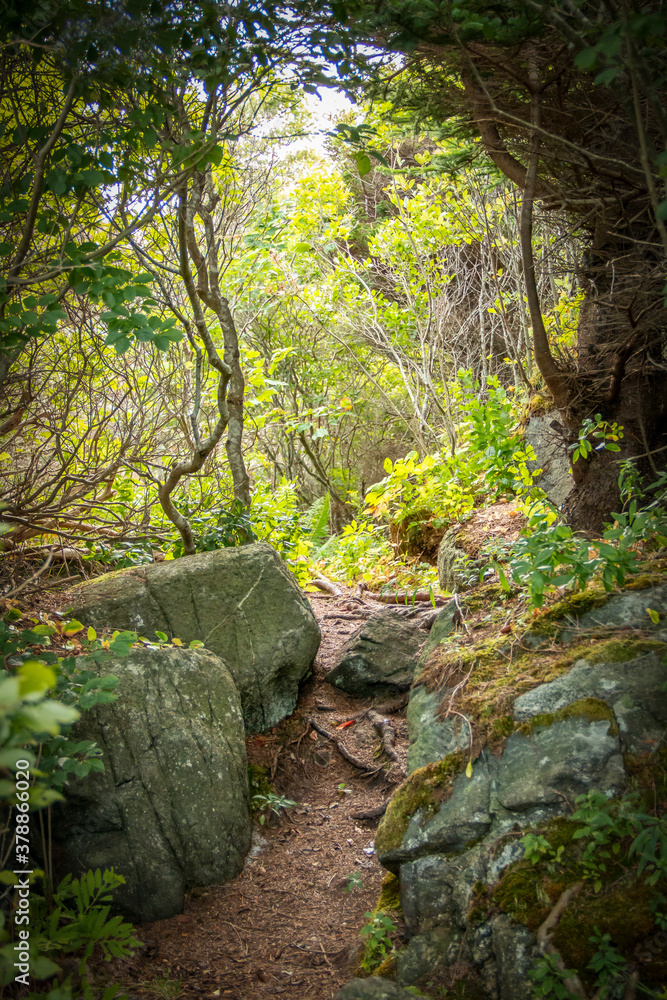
x: 287, y: 926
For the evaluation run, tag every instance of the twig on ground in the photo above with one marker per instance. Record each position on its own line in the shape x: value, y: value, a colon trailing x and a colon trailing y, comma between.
x: 348, y: 618
x: 274, y: 762
x: 406, y: 597
x: 342, y: 749
x: 48, y: 586
x: 298, y: 739
x: 386, y: 731
x: 459, y: 687
x: 459, y: 620
x: 31, y: 579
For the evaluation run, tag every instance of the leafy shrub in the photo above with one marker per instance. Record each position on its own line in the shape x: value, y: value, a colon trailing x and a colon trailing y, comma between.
x: 613, y: 832
x: 377, y: 934
x: 550, y: 554
x: 41, y: 696
x: 490, y: 462
x: 219, y: 527
x: 270, y: 805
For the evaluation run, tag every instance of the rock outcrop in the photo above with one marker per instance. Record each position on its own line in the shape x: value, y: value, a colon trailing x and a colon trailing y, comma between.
x: 567, y: 712
x: 171, y: 809
x: 242, y: 603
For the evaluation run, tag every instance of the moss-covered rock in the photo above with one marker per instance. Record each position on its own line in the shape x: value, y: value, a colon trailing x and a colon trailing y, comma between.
x: 563, y: 702
x: 423, y: 792
x: 592, y: 709
x: 627, y: 677
x: 558, y: 762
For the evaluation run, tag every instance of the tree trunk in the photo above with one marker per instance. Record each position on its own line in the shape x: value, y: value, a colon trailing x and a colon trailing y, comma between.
x: 621, y: 374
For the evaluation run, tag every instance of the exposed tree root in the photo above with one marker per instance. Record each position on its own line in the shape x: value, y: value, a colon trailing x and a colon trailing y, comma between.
x: 573, y: 984
x: 342, y: 749
x: 396, y: 705
x: 327, y: 586
x: 406, y: 598
x: 374, y: 813
x: 386, y: 731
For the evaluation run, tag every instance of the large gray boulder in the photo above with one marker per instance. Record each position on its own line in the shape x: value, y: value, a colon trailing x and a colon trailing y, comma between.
x: 380, y: 659
x: 170, y: 811
x: 242, y: 603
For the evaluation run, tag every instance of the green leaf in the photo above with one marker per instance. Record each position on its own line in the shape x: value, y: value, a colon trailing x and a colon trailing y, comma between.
x: 35, y: 677
x: 71, y: 628
x: 363, y: 164
x: 607, y: 75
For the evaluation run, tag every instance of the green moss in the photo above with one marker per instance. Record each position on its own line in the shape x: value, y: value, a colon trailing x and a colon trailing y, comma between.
x: 652, y: 573
x: 386, y: 969
x: 390, y: 894
x: 425, y: 789
x: 624, y: 913
x: 617, y: 651
x: 621, y: 906
x: 576, y: 604
x: 592, y: 709
x: 527, y: 892
x: 486, y: 594
x: 539, y: 404
x: 502, y: 727
x: 258, y: 780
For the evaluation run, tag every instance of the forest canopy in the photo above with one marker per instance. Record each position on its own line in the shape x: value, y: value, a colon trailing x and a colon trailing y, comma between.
x: 484, y: 225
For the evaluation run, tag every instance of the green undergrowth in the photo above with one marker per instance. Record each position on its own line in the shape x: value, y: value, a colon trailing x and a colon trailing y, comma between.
x: 426, y: 789
x: 546, y: 620
x: 486, y: 596
x: 374, y: 960
x: 258, y: 781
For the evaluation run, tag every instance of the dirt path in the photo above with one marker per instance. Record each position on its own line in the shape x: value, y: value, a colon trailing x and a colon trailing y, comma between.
x: 286, y: 926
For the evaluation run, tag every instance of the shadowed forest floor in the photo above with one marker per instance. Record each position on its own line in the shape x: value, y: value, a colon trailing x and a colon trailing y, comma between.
x: 287, y: 926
